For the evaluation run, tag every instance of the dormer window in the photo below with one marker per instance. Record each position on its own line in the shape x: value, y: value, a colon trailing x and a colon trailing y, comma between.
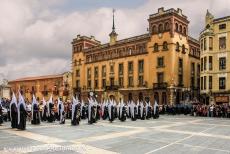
x: 160, y: 28
x: 165, y: 46
x: 177, y: 46
x: 180, y: 29
x: 166, y: 26
x: 185, y: 31
x: 176, y: 27
x: 156, y: 47
x: 154, y: 30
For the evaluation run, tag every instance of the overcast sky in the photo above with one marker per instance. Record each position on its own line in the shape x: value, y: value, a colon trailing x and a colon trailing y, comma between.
x: 36, y: 35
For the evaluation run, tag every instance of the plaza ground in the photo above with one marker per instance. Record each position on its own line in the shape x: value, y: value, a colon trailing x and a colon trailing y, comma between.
x: 168, y: 134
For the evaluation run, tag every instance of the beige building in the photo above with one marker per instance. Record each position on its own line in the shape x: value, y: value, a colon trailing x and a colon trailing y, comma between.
x: 215, y: 60
x: 162, y: 64
x: 59, y: 85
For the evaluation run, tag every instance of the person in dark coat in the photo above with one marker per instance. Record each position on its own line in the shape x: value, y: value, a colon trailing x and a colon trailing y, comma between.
x: 76, y: 112
x: 35, y: 112
x: 14, y: 112
x: 1, y: 114
x: 50, y: 112
x: 22, y: 114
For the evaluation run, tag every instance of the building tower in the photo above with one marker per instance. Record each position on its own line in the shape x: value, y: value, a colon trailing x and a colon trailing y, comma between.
x: 113, y: 35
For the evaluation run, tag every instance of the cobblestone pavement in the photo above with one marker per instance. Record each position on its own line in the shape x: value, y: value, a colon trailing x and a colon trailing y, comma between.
x: 168, y: 134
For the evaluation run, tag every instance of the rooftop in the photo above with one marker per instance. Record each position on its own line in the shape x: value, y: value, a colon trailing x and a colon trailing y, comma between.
x: 37, y: 78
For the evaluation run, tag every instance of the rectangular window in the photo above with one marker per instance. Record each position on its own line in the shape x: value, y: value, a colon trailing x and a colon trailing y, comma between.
x: 160, y: 62
x: 202, y: 64
x: 78, y: 84
x: 121, y: 68
x: 103, y: 83
x: 201, y: 84
x: 204, y: 82
x: 89, y: 73
x: 205, y: 44
x: 192, y: 69
x: 201, y: 45
x: 160, y: 77
x: 140, y: 80
x: 121, y: 82
x: 130, y: 67
x: 140, y: 66
x: 130, y: 81
x: 222, y: 43
x: 222, y: 26
x: 96, y: 72
x: 222, y: 83
x: 111, y: 68
x: 77, y: 73
x: 210, y: 63
x: 111, y: 81
x: 95, y: 84
x: 103, y: 71
x: 210, y: 43
x: 89, y: 84
x: 205, y: 63
x: 222, y: 63
x: 210, y: 82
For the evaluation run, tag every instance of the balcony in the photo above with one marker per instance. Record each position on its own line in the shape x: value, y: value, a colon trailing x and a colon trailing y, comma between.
x: 162, y: 85
x: 112, y: 87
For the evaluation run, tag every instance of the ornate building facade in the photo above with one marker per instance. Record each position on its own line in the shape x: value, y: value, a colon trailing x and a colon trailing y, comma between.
x: 44, y: 86
x: 162, y: 64
x: 215, y: 61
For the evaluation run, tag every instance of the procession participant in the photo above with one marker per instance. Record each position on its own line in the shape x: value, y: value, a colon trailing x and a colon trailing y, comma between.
x: 13, y: 112
x: 76, y: 115
x: 142, y: 111
x: 50, y: 112
x: 28, y: 109
x: 103, y: 110
x: 1, y: 109
x: 59, y: 107
x: 61, y: 111
x: 118, y: 110
x: 138, y: 110
x: 128, y: 109
x: 91, y: 109
x: 21, y: 113
x: 35, y: 118
x: 98, y: 110
x: 148, y: 108
x: 83, y: 110
x: 115, y: 108
x: 44, y: 110
x: 155, y: 110
x: 122, y: 111
x: 133, y: 111
x: 111, y: 110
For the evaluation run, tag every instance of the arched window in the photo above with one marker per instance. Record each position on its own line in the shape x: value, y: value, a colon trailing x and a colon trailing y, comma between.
x: 165, y: 46
x: 160, y: 28
x: 156, y: 47
x: 180, y: 29
x: 177, y: 46
x: 183, y: 48
x: 176, y: 27
x: 154, y: 29
x: 166, y: 26
x: 185, y: 31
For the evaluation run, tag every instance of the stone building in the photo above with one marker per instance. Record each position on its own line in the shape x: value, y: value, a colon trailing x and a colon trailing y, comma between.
x: 162, y: 64
x: 59, y: 85
x: 215, y: 61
